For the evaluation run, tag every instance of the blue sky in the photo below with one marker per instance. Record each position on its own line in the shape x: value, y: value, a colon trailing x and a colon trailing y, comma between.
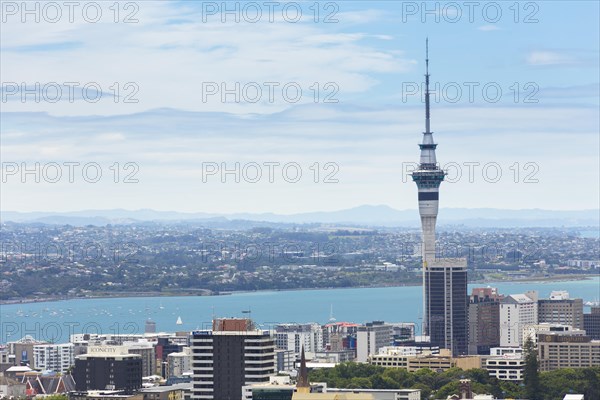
x: 545, y: 142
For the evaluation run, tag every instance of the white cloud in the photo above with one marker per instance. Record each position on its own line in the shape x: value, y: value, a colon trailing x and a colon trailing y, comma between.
x: 546, y: 58
x: 170, y: 61
x: 370, y: 146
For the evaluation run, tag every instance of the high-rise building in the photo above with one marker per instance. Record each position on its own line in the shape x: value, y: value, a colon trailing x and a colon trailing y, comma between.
x: 591, y: 323
x: 146, y: 350
x: 516, y: 312
x: 371, y: 337
x: 295, y: 336
x: 444, y: 280
x: 179, y: 363
x: 54, y: 357
x: 560, y: 309
x: 165, y: 346
x: 108, y: 368
x: 484, y: 320
x: 229, y: 357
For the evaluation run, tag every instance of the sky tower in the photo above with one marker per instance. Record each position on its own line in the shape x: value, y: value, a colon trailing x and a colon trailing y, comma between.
x: 428, y: 178
x: 444, y: 279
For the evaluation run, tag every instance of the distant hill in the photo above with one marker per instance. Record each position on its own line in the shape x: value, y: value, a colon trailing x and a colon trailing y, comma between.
x: 367, y: 215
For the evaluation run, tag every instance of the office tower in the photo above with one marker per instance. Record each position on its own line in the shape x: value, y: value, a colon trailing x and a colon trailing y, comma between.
x: 54, y: 357
x: 564, y: 350
x: 516, y: 312
x: 295, y: 336
x: 484, y: 320
x: 108, y: 367
x: 371, y: 337
x: 444, y: 280
x: 234, y: 354
x: 560, y: 309
x: 591, y: 323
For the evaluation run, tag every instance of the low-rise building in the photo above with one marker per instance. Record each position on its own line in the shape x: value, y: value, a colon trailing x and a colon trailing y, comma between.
x: 383, y: 394
x: 335, y: 356
x: 507, y: 368
x: 532, y: 331
x: 435, y: 362
x: 179, y: 391
x: 502, y: 351
x: 278, y: 387
x: 11, y: 388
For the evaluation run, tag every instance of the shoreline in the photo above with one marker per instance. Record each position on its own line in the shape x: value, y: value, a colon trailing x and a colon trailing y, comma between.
x: 204, y: 292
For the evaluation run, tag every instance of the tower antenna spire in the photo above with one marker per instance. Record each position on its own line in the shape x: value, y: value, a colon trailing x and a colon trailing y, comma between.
x: 427, y: 123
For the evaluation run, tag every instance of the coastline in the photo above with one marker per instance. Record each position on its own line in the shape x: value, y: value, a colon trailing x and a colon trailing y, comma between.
x: 205, y: 292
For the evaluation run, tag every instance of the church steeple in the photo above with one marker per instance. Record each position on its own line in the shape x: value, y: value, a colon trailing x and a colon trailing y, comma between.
x: 302, y: 384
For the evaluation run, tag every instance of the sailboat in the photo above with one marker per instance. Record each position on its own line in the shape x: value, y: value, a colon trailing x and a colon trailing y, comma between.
x: 179, y: 321
x: 161, y: 306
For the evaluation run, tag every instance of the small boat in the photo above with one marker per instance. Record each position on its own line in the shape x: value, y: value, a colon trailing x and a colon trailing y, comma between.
x: 179, y: 321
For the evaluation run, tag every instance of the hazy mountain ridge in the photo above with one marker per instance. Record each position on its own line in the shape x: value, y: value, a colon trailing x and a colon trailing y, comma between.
x: 373, y: 215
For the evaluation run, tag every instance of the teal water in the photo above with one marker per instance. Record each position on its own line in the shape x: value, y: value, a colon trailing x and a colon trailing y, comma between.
x: 55, y: 320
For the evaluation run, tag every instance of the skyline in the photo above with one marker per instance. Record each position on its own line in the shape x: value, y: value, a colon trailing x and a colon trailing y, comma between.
x: 366, y: 141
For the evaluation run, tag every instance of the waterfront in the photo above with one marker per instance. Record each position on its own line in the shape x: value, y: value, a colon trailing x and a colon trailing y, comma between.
x: 54, y: 320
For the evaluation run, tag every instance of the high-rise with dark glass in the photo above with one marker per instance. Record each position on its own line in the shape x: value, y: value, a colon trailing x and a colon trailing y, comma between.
x: 444, y: 280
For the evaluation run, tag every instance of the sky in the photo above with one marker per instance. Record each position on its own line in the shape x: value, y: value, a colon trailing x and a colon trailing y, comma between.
x: 291, y: 107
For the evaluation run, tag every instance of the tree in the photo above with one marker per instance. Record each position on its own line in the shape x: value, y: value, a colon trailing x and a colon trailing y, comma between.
x: 57, y: 397
x: 531, y: 375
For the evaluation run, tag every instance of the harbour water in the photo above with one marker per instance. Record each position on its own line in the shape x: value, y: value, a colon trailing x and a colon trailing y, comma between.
x: 54, y: 321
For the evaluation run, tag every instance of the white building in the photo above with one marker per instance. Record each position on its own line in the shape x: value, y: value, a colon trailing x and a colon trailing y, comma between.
x: 371, y: 337
x: 516, y: 312
x: 294, y: 336
x: 54, y: 357
x: 506, y: 368
x: 502, y: 351
x: 179, y: 363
